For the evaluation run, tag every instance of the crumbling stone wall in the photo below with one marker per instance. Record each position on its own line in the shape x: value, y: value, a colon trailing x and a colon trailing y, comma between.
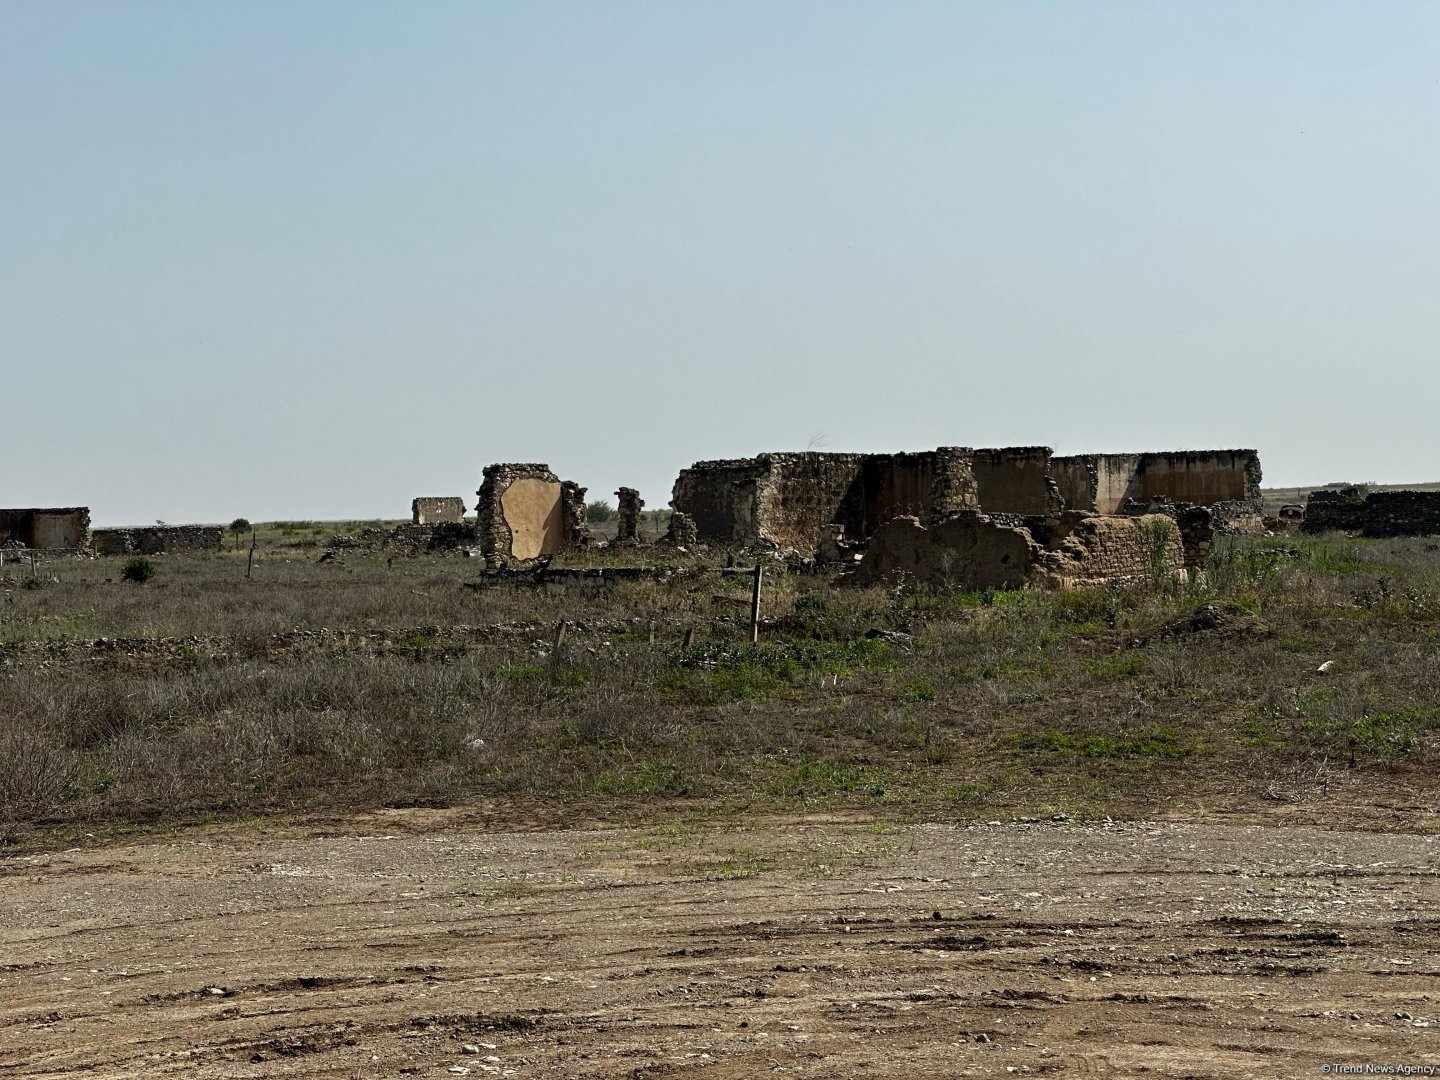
x: 1378, y: 514
x: 794, y: 501
x: 791, y: 501
x: 966, y: 551
x: 971, y: 550
x: 1093, y: 548
x: 436, y: 510
x: 46, y: 528
x: 158, y: 540
x: 526, y: 512
x: 681, y: 532
x: 1105, y: 483
x: 1015, y: 480
x: 628, y: 507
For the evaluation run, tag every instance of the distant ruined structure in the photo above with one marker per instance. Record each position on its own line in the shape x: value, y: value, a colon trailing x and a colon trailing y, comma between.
x: 526, y: 512
x: 158, y: 540
x: 46, y: 529
x: 437, y: 510
x: 973, y: 551
x: 808, y: 502
x: 1373, y: 514
x: 628, y: 510
x: 1225, y: 481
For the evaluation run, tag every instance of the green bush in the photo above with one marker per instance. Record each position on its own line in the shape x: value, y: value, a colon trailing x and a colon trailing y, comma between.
x: 138, y: 570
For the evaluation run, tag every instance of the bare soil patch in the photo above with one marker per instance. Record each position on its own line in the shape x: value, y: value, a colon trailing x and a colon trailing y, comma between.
x: 388, y: 944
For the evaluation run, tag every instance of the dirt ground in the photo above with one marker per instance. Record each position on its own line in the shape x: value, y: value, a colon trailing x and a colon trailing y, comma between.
x: 423, y: 942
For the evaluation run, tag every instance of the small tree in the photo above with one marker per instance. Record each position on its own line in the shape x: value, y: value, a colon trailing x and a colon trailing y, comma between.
x: 238, y: 528
x: 138, y: 570
x: 599, y: 510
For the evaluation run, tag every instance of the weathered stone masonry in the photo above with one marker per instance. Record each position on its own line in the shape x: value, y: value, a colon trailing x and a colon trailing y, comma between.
x: 526, y: 512
x: 1378, y: 514
x: 791, y: 501
x: 796, y: 501
x: 50, y: 528
x: 158, y: 540
x: 971, y: 550
x: 437, y: 510
x: 1226, y: 481
x: 627, y: 513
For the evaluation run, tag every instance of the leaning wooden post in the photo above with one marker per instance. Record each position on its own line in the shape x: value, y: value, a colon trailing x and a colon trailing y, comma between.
x: 755, y: 605
x: 250, y: 561
x: 555, y: 651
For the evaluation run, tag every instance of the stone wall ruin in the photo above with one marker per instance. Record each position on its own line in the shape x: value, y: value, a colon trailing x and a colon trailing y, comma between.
x: 437, y: 510
x: 46, y: 529
x: 791, y: 502
x: 1226, y: 481
x: 1376, y: 514
x: 628, y: 507
x: 794, y: 502
x: 970, y: 550
x: 158, y: 540
x: 526, y: 512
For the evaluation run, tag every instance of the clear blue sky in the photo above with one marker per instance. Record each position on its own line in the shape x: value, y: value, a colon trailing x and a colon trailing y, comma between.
x: 308, y: 260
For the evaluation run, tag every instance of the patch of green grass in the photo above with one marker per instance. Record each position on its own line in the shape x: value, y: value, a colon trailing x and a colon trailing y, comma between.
x: 1118, y: 666
x: 1157, y: 743
x: 656, y: 777
x: 725, y: 672
x: 817, y: 779
x: 1388, y: 733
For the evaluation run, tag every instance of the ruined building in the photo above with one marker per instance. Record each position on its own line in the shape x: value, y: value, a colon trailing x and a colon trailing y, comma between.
x: 526, y: 512
x: 798, y: 502
x: 158, y: 540
x: 1226, y: 481
x: 628, y: 510
x: 437, y: 510
x: 54, y: 529
x: 973, y: 551
x: 1376, y: 514
x: 789, y: 501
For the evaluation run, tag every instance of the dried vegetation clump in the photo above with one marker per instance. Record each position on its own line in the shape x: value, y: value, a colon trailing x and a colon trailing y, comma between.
x: 317, y: 686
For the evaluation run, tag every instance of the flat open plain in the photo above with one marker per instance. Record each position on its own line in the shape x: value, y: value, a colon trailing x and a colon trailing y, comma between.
x: 428, y: 943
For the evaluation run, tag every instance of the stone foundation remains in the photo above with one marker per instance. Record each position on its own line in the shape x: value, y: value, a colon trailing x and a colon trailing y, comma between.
x: 971, y: 550
x: 526, y: 512
x: 46, y: 529
x: 628, y: 510
x: 437, y: 510
x: 158, y: 540
x: 1378, y: 514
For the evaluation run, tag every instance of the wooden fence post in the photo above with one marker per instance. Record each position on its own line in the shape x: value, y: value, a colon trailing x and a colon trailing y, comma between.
x: 755, y: 606
x: 555, y: 651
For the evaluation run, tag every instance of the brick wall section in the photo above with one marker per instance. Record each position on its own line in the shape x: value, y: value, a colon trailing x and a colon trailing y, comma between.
x: 158, y: 540
x: 496, y: 539
x: 628, y: 507
x: 65, y: 528
x: 437, y: 509
x: 1378, y: 514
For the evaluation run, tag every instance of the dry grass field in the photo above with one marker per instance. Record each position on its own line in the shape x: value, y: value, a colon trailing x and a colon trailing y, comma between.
x: 310, y: 822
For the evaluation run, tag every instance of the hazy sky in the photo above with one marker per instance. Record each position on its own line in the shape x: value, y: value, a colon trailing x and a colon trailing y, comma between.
x: 294, y: 259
